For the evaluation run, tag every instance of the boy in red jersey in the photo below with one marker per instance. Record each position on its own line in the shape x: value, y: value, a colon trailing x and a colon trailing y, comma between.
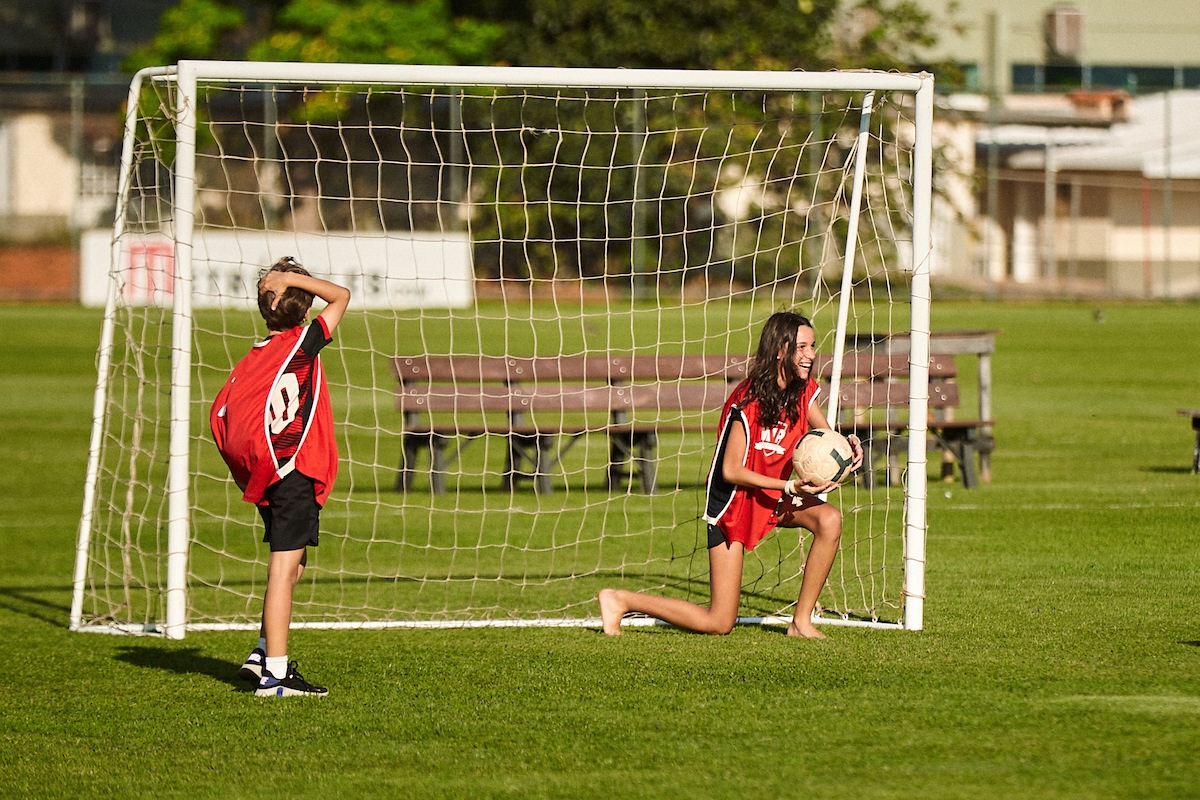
x: 274, y: 427
x: 749, y: 489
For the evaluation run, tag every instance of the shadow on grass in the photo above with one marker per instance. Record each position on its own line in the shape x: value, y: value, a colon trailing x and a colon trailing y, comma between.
x: 188, y: 661
x: 29, y: 600
x: 1172, y: 470
x: 1195, y: 643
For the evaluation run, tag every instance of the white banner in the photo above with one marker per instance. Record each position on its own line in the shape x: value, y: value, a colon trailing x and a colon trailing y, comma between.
x: 411, y: 270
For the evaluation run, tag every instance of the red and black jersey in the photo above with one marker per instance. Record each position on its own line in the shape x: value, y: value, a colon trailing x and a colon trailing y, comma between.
x: 273, y: 414
x: 743, y: 514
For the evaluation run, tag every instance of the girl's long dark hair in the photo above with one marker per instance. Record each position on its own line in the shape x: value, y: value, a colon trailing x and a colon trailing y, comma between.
x: 776, y: 404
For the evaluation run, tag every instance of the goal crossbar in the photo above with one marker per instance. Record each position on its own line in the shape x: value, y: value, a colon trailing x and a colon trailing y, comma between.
x: 547, y: 77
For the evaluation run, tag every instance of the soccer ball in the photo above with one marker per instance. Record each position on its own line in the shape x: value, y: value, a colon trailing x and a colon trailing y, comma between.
x: 822, y: 456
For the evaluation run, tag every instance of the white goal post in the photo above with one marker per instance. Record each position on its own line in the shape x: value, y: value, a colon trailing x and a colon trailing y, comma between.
x: 499, y: 215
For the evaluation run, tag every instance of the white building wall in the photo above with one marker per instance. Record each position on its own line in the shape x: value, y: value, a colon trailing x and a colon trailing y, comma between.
x: 954, y: 200
x: 6, y: 166
x: 42, y: 174
x: 1026, y: 250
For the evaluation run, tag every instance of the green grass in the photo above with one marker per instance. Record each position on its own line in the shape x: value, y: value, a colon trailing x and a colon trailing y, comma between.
x: 1060, y: 659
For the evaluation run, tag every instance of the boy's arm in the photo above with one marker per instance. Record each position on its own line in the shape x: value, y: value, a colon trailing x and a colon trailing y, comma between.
x: 336, y: 298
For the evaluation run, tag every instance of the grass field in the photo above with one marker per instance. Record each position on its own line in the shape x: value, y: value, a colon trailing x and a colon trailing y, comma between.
x: 1061, y: 655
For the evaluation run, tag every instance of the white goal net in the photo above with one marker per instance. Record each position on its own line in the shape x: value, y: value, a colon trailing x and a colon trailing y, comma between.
x: 557, y: 276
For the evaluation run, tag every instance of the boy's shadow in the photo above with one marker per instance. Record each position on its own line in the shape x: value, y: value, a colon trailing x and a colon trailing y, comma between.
x: 188, y: 661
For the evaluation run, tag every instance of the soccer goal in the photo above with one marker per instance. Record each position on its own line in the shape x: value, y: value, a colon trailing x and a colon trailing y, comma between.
x: 515, y: 239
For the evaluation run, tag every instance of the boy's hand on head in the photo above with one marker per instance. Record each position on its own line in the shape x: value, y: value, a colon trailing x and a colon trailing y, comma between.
x: 275, y: 282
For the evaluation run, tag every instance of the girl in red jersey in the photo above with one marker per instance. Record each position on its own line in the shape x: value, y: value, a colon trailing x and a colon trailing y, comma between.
x: 750, y: 490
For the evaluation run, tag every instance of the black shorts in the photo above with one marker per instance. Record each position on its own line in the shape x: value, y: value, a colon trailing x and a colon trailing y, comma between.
x: 292, y: 518
x: 715, y: 537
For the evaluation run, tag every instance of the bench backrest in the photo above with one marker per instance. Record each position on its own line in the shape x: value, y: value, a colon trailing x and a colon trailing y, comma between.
x: 873, y: 366
x: 613, y: 384
x: 861, y: 395
x: 616, y: 384
x: 471, y: 370
x: 468, y: 370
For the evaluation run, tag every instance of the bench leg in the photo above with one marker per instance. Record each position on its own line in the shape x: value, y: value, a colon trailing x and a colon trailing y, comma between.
x: 437, y: 464
x: 895, y: 446
x: 1196, y: 455
x: 620, y: 447
x: 964, y: 446
x: 534, y: 450
x: 514, y: 460
x: 647, y: 466
x: 867, y: 470
x: 410, y: 446
x: 967, y: 463
x: 545, y: 459
x: 635, y: 451
x: 948, y: 460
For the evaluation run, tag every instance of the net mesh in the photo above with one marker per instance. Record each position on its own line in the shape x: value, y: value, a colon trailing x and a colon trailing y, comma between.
x: 559, y: 223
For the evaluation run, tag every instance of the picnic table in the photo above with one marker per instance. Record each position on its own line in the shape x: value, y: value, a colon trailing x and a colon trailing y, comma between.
x: 980, y: 343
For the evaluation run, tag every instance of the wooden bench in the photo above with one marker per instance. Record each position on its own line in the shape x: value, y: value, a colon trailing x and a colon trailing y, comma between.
x: 872, y: 401
x: 977, y: 343
x: 533, y: 402
x: 1194, y: 413
x: 450, y: 401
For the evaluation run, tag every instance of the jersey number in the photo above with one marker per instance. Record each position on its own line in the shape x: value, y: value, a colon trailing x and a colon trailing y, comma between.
x: 285, y: 401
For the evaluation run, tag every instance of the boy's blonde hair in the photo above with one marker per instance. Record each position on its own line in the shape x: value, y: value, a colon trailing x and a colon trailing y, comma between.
x: 293, y: 306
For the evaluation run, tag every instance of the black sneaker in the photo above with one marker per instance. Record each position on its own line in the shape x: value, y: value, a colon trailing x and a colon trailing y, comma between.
x: 292, y: 685
x: 252, y: 670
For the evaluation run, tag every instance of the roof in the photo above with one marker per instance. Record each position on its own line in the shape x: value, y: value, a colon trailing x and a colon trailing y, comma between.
x: 1144, y: 144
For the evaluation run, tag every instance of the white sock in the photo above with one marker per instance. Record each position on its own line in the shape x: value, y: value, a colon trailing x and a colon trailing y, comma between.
x: 277, y: 666
x: 262, y: 643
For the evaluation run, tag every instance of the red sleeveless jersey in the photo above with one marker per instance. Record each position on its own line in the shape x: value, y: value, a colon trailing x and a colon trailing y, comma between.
x: 743, y: 514
x: 273, y: 414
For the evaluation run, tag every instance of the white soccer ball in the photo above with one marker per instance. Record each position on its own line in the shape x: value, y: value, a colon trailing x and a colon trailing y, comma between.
x: 822, y: 456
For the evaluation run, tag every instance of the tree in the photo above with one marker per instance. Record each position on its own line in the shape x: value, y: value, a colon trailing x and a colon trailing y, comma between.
x: 678, y: 34
x: 369, y: 31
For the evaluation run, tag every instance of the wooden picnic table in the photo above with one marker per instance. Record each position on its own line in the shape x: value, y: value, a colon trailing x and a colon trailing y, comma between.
x: 978, y: 342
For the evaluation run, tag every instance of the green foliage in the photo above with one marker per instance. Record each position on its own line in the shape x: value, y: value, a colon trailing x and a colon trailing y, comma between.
x: 723, y: 34
x: 676, y: 34
x: 192, y: 29
x: 367, y: 31
x: 376, y: 31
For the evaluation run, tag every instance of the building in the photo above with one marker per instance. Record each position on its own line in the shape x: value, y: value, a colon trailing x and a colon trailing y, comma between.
x: 1037, y: 46
x: 1123, y: 200
x: 61, y: 91
x: 1083, y: 170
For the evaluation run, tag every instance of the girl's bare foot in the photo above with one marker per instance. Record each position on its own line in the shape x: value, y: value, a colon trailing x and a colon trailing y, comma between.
x: 805, y: 630
x: 611, y: 611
